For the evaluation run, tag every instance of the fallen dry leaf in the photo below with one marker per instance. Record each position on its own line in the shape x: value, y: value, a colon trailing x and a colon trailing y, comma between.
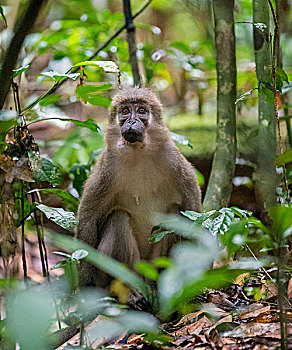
x: 194, y: 328
x: 253, y: 310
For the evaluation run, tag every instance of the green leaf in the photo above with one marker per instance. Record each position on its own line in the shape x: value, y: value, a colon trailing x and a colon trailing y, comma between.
x: 8, y: 119
x: 58, y: 77
x: 181, y: 139
x: 67, y: 198
x: 284, y: 158
x: 49, y: 172
x: 157, y: 236
x: 147, y: 270
x: 90, y: 95
x: 105, y: 263
x: 107, y: 66
x: 89, y: 124
x: 283, y: 75
x: 20, y: 70
x: 269, y: 95
x: 199, y: 218
x: 50, y: 99
x: 241, y: 212
x: 79, y: 254
x: 200, y: 177
x: 59, y: 216
x: 86, y: 89
x: 60, y: 264
x: 243, y: 96
x: 282, y: 222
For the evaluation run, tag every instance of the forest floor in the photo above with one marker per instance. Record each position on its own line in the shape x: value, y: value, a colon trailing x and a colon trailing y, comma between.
x: 234, y: 318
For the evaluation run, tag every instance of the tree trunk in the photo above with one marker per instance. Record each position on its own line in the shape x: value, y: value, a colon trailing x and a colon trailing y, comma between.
x: 265, y: 179
x: 220, y: 183
x: 131, y: 41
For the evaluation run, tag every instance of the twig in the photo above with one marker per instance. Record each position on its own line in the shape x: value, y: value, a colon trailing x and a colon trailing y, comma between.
x: 24, y: 265
x: 131, y: 41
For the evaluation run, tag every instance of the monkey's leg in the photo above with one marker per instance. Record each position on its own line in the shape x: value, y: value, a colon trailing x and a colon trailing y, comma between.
x: 117, y: 242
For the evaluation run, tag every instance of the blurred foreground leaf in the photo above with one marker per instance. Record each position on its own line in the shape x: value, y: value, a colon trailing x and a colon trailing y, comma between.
x: 105, y: 263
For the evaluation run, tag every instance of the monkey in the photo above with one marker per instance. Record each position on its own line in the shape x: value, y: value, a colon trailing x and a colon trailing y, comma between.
x: 140, y: 174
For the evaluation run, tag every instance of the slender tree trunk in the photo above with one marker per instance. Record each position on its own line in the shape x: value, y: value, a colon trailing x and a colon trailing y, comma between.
x: 131, y: 41
x: 220, y: 183
x: 265, y: 179
x: 23, y: 26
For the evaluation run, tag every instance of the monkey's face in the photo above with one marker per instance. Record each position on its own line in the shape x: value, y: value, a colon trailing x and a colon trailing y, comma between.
x: 133, y: 119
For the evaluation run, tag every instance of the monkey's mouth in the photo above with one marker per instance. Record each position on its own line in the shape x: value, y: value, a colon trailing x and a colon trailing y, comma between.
x: 132, y: 136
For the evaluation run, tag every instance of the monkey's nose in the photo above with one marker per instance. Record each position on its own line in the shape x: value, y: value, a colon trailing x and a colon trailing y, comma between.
x: 132, y: 136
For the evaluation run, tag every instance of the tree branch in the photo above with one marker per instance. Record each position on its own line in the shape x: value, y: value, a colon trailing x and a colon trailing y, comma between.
x: 22, y: 27
x: 131, y: 41
x: 102, y: 47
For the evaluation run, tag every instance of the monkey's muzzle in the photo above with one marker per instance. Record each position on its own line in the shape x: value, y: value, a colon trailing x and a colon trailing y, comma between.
x: 132, y: 136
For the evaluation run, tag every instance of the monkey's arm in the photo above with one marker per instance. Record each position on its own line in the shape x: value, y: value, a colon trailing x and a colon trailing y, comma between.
x: 186, y: 182
x: 95, y: 202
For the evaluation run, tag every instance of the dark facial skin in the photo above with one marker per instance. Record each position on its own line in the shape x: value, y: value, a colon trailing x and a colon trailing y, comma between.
x: 133, y: 118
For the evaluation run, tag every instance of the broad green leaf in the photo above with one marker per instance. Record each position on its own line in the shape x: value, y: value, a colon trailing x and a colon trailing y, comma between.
x: 61, y: 217
x: 67, y: 198
x: 20, y: 70
x: 284, y: 158
x: 79, y: 254
x: 59, y: 265
x: 243, y: 96
x: 107, y: 66
x: 8, y: 119
x: 91, y: 94
x: 58, y: 77
x: 49, y: 172
x: 105, y: 263
x: 222, y: 222
x: 181, y: 139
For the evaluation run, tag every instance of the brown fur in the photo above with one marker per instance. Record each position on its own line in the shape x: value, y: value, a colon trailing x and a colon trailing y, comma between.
x: 130, y: 185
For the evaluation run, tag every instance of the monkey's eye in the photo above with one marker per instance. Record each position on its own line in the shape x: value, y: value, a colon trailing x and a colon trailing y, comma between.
x: 142, y: 110
x: 125, y: 110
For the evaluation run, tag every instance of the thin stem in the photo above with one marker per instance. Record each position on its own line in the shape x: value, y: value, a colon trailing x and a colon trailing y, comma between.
x: 24, y: 265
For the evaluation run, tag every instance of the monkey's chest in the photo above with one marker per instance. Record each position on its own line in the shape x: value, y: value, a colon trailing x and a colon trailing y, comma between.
x: 146, y: 191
